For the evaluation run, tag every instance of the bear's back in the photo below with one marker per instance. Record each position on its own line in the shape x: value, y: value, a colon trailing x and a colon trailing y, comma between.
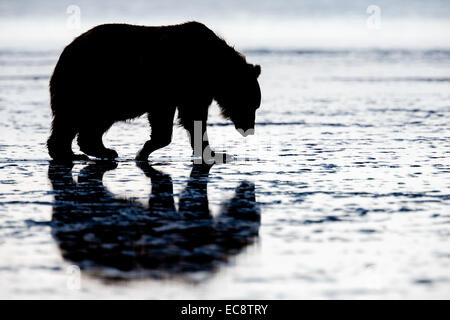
x: 133, y: 51
x: 120, y: 64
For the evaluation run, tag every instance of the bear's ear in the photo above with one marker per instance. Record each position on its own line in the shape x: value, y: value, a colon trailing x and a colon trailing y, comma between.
x: 257, y: 70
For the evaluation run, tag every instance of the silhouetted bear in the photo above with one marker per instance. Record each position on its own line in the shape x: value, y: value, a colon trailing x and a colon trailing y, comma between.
x: 116, y: 72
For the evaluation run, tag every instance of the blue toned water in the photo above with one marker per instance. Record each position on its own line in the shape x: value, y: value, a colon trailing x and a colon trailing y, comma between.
x: 344, y: 190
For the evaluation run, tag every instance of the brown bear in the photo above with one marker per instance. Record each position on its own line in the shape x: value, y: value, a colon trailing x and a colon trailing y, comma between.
x: 116, y: 72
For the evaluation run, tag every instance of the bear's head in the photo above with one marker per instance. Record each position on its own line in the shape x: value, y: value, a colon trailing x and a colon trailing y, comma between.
x: 239, y: 96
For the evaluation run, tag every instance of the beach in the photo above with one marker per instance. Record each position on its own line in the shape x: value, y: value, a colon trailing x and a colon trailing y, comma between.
x: 348, y: 173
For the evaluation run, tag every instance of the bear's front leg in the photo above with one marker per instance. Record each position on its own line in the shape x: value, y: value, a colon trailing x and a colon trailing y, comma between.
x: 145, y: 151
x: 201, y: 150
x: 196, y: 126
x: 198, y: 137
x: 152, y: 145
x: 148, y: 148
x: 162, y: 127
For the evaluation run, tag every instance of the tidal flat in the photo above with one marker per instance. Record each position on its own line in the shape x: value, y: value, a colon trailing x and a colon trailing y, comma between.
x: 343, y: 192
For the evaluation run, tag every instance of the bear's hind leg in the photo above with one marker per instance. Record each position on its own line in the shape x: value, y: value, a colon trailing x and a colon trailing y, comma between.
x: 59, y: 143
x: 91, y: 143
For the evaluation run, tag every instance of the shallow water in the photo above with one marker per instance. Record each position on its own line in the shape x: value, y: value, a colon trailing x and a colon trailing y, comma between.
x: 343, y: 192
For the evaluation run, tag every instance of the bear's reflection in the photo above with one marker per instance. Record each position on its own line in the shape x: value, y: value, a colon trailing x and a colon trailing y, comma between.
x: 115, y: 237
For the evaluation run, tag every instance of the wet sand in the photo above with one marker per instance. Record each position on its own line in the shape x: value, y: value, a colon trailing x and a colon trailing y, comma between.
x: 342, y: 193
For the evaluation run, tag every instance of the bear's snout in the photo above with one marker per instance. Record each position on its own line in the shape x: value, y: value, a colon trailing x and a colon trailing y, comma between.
x: 248, y: 132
